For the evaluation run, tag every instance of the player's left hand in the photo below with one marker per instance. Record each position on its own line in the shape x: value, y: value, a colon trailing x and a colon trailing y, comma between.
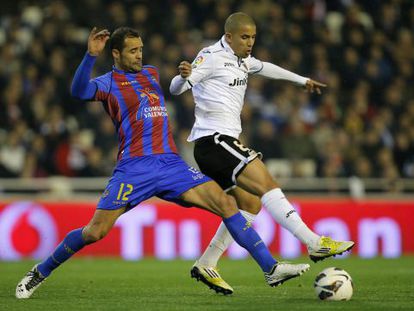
x: 97, y: 40
x: 185, y: 69
x: 312, y: 86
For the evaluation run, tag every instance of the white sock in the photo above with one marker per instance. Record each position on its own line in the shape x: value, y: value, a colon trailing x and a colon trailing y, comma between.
x: 219, y: 243
x: 285, y: 215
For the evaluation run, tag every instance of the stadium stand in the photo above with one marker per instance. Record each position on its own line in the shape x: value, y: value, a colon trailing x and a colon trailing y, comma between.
x: 362, y: 126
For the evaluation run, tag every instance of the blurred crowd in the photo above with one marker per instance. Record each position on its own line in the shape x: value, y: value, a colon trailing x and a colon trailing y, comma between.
x: 362, y: 125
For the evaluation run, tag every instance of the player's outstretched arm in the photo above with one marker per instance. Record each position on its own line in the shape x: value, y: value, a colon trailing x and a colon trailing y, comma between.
x: 273, y: 71
x: 82, y: 87
x: 314, y: 86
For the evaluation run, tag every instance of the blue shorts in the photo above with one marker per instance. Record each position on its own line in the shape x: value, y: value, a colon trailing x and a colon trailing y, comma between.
x: 136, y: 179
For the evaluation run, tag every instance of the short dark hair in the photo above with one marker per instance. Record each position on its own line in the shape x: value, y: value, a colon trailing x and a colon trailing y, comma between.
x: 119, y: 35
x: 236, y: 20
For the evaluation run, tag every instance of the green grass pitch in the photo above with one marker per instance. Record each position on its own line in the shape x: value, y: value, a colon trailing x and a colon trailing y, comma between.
x: 113, y: 284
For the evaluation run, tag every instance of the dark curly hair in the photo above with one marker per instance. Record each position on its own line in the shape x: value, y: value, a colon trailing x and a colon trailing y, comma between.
x: 119, y: 35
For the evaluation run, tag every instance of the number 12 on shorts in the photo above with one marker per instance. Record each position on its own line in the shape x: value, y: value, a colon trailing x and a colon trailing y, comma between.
x: 123, y: 193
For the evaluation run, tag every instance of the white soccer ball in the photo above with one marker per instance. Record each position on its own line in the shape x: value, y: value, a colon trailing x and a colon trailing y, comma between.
x: 334, y: 284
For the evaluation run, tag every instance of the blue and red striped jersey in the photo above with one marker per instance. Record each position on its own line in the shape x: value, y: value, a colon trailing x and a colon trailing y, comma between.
x: 136, y: 104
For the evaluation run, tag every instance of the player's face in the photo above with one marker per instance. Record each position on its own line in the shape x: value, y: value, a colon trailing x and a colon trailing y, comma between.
x: 242, y: 40
x: 130, y: 59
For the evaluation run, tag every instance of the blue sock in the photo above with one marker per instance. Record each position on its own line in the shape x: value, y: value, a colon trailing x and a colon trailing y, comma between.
x: 243, y: 233
x: 72, y: 243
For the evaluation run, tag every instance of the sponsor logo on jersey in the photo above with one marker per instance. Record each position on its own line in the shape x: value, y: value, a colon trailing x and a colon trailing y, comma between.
x: 149, y: 105
x: 229, y: 65
x: 129, y: 82
x: 146, y: 111
x: 238, y: 81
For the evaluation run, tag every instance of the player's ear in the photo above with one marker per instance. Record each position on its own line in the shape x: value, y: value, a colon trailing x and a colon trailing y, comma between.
x: 115, y: 54
x: 228, y: 37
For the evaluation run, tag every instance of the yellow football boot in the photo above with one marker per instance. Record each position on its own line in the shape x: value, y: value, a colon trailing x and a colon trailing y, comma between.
x: 327, y: 247
x: 211, y: 277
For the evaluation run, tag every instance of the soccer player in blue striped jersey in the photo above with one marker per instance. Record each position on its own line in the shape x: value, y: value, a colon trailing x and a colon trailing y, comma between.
x: 148, y: 164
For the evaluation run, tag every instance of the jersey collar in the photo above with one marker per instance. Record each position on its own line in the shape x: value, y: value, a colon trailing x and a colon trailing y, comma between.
x: 226, y: 46
x: 228, y: 49
x: 114, y: 69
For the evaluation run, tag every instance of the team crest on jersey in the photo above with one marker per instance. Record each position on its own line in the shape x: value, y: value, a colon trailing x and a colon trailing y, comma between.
x: 148, y: 95
x: 198, y: 61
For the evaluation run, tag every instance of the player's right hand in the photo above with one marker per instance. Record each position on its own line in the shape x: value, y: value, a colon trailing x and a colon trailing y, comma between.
x: 185, y: 69
x: 97, y: 40
x: 314, y: 86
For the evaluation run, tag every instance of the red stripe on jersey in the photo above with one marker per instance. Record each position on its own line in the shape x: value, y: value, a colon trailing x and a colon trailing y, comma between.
x: 113, y: 105
x: 114, y: 110
x: 157, y: 127
x: 157, y: 122
x: 157, y: 134
x: 115, y: 113
x: 101, y: 95
x: 154, y: 72
x: 131, y: 101
x: 171, y: 140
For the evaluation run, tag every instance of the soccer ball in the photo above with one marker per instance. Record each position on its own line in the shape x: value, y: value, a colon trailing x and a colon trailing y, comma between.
x: 333, y: 284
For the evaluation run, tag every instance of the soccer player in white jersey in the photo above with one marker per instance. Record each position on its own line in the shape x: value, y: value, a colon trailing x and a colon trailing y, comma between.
x: 218, y: 79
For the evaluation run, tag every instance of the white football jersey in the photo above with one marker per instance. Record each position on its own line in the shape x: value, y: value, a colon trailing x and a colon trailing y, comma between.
x: 219, y: 81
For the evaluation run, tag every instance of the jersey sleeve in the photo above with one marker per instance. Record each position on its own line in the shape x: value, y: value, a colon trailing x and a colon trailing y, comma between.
x: 255, y: 65
x: 202, y: 67
x: 273, y: 71
x: 103, y: 84
x: 82, y: 87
